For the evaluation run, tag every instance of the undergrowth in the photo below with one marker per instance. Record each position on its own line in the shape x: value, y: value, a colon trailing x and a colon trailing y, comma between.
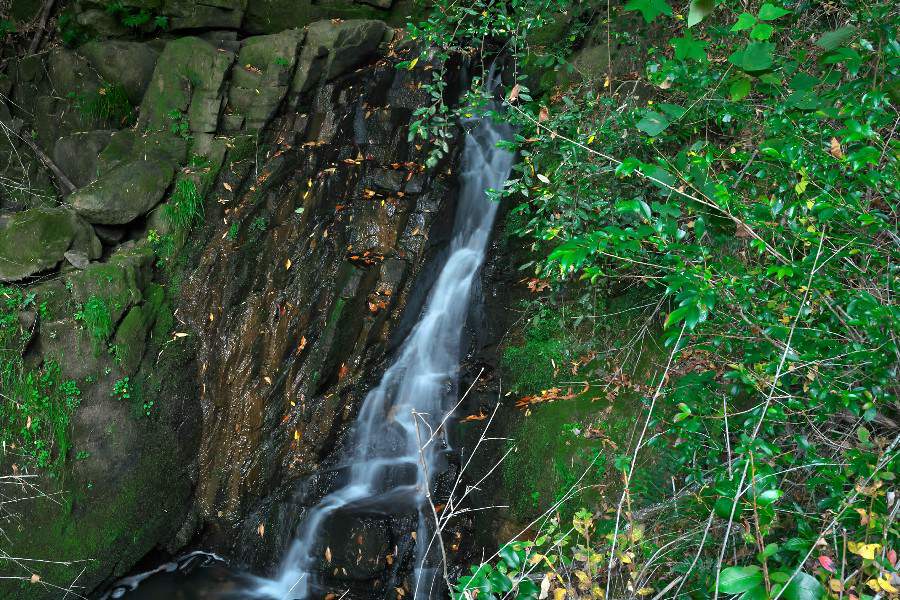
x: 37, y: 401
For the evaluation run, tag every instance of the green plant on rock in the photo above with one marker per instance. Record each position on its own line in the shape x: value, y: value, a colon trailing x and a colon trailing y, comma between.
x: 37, y: 402
x: 108, y: 103
x: 96, y: 317
x: 185, y: 207
x: 137, y: 18
x: 179, y: 124
x: 122, y: 389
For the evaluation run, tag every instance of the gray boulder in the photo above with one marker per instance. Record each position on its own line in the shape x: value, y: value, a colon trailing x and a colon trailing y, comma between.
x: 77, y: 155
x: 125, y: 193
x: 37, y: 239
x: 129, y: 64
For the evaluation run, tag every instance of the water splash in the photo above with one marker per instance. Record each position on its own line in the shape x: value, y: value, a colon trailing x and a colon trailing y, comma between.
x: 386, y: 462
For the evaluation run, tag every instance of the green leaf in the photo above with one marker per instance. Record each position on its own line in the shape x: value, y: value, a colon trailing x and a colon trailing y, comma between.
x: 762, y: 31
x: 803, y: 82
x: 653, y: 123
x: 699, y: 10
x: 804, y: 100
x: 804, y: 587
x: 831, y: 40
x: 739, y: 88
x: 735, y: 580
x: 650, y: 9
x: 745, y: 21
x: 689, y: 48
x: 770, y: 12
x: 756, y: 56
x: 768, y: 497
x: 722, y: 508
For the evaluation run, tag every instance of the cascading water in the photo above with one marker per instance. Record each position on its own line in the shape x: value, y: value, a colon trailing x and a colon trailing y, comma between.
x: 386, y: 462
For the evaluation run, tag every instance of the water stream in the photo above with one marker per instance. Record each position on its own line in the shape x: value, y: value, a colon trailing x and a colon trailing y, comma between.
x: 398, y: 444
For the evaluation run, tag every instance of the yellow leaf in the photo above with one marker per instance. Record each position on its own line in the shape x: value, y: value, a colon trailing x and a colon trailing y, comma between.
x: 835, y: 585
x: 287, y: 264
x: 597, y: 593
x: 645, y: 591
x: 863, y: 516
x: 591, y: 139
x: 801, y: 186
x: 296, y: 435
x: 885, y: 584
x: 535, y: 558
x: 867, y: 551
x: 412, y: 63
x: 584, y: 582
x: 559, y: 594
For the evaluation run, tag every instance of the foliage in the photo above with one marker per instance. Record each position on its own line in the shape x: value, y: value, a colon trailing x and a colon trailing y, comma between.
x: 37, y: 402
x: 752, y: 186
x: 179, y: 124
x: 122, y: 389
x: 108, y: 103
x: 96, y: 316
x: 185, y: 207
x: 137, y: 18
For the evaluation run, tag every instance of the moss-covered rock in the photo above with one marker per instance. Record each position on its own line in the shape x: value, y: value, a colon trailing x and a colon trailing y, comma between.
x: 77, y: 155
x: 125, y: 193
x: 130, y: 64
x: 261, y: 77
x: 128, y: 344
x: 333, y: 48
x: 35, y: 240
x: 188, y: 80
x: 129, y: 145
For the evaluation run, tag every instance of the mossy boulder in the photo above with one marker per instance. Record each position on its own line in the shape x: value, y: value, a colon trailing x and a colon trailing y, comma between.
x: 129, y: 341
x: 129, y: 64
x: 129, y: 145
x: 188, y: 80
x: 35, y: 240
x: 262, y: 76
x: 77, y: 155
x: 270, y: 16
x: 332, y: 49
x: 125, y: 193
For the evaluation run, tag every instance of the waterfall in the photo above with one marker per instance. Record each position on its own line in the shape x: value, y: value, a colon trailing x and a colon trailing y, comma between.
x: 384, y: 457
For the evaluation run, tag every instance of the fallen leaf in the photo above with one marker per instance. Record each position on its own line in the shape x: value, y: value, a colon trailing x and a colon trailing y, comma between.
x: 544, y: 114
x: 261, y: 530
x: 35, y: 578
x: 327, y: 554
x: 514, y: 93
x: 227, y: 186
x: 827, y: 563
x: 559, y: 594
x: 835, y: 149
x: 545, y: 587
x: 287, y: 264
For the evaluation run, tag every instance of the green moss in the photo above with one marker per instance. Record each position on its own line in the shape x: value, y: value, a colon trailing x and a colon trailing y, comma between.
x: 97, y: 319
x: 38, y: 402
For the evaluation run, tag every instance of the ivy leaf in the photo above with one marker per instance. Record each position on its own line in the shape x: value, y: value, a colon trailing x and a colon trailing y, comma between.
x: 689, y: 48
x: 739, y: 89
x: 804, y: 587
x: 831, y: 40
x: 745, y: 21
x: 735, y: 580
x: 653, y: 123
x: 650, y: 9
x: 762, y: 31
x: 756, y: 56
x: 770, y: 12
x: 699, y: 10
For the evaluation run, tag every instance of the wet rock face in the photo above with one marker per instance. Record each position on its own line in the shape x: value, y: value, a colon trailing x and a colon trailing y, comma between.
x: 298, y: 289
x: 319, y: 223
